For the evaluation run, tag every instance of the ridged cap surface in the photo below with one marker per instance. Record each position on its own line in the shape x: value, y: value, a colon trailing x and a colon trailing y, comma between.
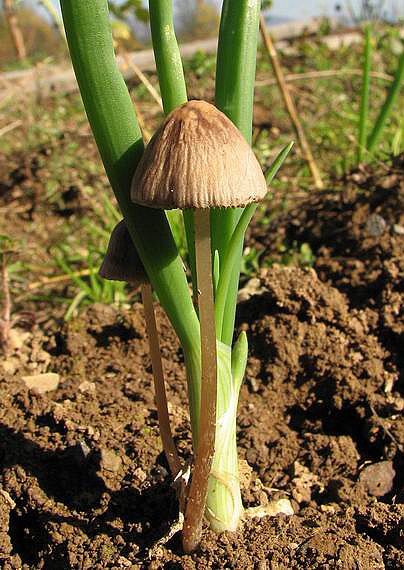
x: 198, y: 159
x: 122, y: 262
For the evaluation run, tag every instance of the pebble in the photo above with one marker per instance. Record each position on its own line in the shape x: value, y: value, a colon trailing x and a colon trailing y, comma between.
x: 42, y: 383
x: 140, y: 474
x: 87, y: 387
x: 378, y: 478
x: 110, y: 461
x: 399, y: 230
x: 375, y: 225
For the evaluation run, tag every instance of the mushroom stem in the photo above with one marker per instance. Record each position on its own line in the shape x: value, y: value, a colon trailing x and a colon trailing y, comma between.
x: 158, y: 375
x: 204, y: 454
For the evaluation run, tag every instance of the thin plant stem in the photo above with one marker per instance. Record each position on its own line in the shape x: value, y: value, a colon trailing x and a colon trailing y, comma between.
x: 364, y: 106
x: 5, y: 321
x: 142, y: 123
x: 206, y: 447
x: 387, y: 107
x: 11, y: 126
x: 15, y: 30
x: 159, y: 386
x: 59, y: 279
x: 323, y: 74
x: 289, y: 105
x: 130, y: 64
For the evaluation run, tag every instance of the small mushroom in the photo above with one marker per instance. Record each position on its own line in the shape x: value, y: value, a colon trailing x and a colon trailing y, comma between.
x: 122, y: 263
x: 199, y: 160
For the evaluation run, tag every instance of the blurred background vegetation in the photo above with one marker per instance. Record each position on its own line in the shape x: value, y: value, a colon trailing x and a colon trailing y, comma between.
x: 50, y: 173
x: 39, y: 25
x: 41, y: 33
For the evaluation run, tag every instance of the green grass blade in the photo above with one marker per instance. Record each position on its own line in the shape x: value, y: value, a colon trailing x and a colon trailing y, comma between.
x: 172, y: 87
x: 277, y: 163
x: 387, y: 107
x: 235, y: 75
x: 236, y: 61
x: 364, y: 106
x: 167, y: 55
x: 81, y: 295
x: 113, y: 121
x: 239, y: 356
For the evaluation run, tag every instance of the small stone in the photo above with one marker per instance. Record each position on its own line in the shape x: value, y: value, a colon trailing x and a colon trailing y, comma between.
x: 252, y: 287
x: 399, y: 230
x: 279, y: 506
x: 110, y: 461
x: 87, y: 387
x: 140, y: 474
x: 378, y: 478
x: 375, y: 225
x: 42, y: 383
x: 254, y: 384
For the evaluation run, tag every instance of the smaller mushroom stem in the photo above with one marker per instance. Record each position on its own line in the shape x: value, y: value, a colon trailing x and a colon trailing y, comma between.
x: 158, y: 375
x: 204, y: 454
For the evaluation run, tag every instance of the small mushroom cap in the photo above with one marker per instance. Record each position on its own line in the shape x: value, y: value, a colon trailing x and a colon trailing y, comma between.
x: 122, y: 262
x: 198, y: 159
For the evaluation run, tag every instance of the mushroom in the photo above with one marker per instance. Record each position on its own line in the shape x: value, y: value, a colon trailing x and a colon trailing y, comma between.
x: 199, y: 160
x: 122, y: 263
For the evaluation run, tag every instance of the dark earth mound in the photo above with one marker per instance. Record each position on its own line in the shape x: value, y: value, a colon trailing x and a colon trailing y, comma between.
x: 84, y: 484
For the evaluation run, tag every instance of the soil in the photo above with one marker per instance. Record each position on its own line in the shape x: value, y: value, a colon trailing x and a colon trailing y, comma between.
x: 84, y: 484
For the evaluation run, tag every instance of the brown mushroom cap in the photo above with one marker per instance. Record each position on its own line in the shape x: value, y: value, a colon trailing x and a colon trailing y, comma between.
x: 198, y: 159
x: 122, y: 262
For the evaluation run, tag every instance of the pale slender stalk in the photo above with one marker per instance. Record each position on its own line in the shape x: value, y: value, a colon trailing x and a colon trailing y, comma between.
x: 142, y: 77
x: 206, y: 446
x: 5, y: 320
x: 142, y: 123
x: 15, y: 30
x: 323, y: 74
x: 158, y: 375
x: 290, y: 106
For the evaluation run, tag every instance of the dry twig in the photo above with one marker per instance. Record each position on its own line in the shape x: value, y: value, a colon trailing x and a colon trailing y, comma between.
x: 290, y: 106
x: 7, y: 128
x: 323, y: 74
x: 5, y: 321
